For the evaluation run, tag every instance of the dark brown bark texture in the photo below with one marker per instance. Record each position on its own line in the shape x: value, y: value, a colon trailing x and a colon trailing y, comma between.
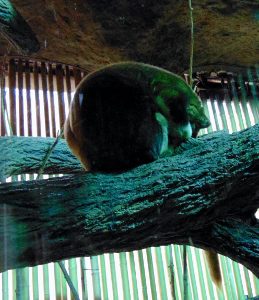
x: 16, y: 30
x: 205, y: 195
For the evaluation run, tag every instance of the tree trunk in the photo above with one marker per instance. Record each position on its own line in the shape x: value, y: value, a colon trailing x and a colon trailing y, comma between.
x: 205, y: 195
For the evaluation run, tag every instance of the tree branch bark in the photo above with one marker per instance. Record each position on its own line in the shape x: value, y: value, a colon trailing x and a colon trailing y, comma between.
x: 22, y: 155
x: 16, y: 30
x: 206, y: 195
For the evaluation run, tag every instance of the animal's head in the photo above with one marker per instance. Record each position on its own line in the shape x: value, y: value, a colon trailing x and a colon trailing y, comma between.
x: 178, y: 101
x: 196, y: 114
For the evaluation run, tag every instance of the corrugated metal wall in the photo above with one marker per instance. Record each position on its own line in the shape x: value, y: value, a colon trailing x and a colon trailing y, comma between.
x: 35, y: 102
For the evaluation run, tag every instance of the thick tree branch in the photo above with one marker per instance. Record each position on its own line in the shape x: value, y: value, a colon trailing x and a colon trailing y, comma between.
x: 22, y: 155
x: 207, y: 193
x: 238, y: 238
x: 15, y: 29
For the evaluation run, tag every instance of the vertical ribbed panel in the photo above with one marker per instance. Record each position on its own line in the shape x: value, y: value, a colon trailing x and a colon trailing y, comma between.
x: 34, y: 99
x: 12, y: 95
x: 35, y: 87
x: 44, y: 90
x: 3, y: 100
x: 21, y: 97
x: 60, y: 91
x: 28, y: 97
x: 77, y: 75
x: 68, y: 84
x: 51, y: 100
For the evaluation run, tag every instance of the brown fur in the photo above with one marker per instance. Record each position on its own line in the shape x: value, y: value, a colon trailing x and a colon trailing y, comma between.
x: 214, y: 267
x: 112, y: 123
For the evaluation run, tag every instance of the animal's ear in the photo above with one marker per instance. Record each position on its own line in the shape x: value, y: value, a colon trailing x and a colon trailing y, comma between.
x: 156, y: 87
x: 159, y: 84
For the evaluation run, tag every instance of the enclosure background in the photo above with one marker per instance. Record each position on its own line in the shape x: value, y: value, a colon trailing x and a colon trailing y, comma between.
x: 35, y: 99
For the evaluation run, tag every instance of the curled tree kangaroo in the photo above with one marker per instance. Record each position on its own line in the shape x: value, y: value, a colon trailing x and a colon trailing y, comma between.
x: 127, y: 114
